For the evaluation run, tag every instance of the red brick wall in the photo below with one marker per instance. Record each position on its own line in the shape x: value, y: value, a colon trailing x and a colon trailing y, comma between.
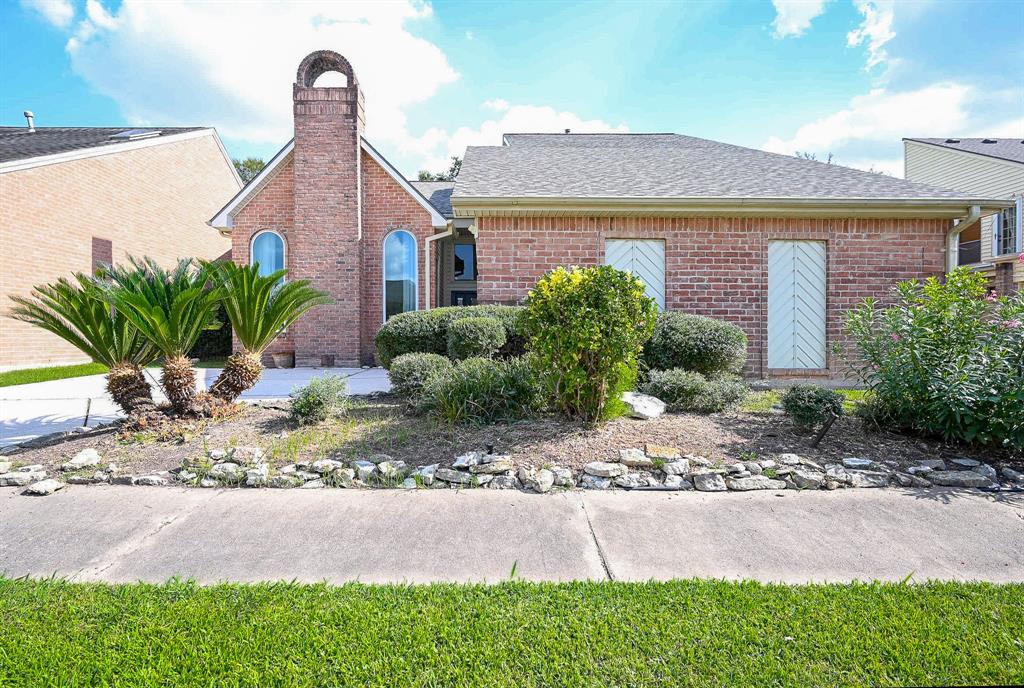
x: 273, y: 207
x: 326, y: 243
x: 716, y: 266
x: 387, y: 207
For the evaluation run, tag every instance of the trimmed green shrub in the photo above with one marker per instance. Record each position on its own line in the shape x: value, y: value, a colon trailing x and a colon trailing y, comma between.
x: 410, y: 373
x: 475, y: 338
x: 586, y: 326
x: 317, y: 401
x: 689, y: 391
x: 693, y: 342
x: 811, y: 406
x: 483, y: 390
x: 427, y: 331
x: 947, y: 360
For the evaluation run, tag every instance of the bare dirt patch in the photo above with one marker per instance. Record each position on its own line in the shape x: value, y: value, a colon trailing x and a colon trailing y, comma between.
x: 381, y: 425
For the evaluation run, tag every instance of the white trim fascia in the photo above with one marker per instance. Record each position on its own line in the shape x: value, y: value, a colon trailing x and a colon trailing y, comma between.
x: 428, y: 242
x: 96, y: 151
x: 956, y: 151
x: 436, y: 219
x: 225, y: 217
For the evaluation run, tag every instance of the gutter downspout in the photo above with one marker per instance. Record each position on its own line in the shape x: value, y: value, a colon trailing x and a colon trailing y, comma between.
x: 426, y: 247
x: 959, y: 226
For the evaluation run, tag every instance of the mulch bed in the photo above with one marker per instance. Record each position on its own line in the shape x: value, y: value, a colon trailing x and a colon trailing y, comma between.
x: 381, y: 425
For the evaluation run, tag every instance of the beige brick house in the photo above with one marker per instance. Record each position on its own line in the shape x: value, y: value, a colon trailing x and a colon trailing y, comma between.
x: 72, y: 198
x: 778, y: 245
x: 992, y: 167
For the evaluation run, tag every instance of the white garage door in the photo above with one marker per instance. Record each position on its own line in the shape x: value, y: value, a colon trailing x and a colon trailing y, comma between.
x: 796, y: 304
x: 645, y: 258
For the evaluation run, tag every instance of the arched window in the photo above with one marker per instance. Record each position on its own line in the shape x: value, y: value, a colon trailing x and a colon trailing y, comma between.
x: 268, y: 251
x: 400, y: 280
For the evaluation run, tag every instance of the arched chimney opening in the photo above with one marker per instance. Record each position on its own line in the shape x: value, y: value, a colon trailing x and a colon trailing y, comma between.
x: 325, y: 62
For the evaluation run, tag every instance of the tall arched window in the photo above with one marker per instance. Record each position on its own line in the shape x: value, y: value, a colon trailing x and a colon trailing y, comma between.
x: 268, y: 251
x: 400, y: 280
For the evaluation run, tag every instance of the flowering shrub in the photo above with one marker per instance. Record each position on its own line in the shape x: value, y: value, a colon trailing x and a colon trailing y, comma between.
x: 586, y: 327
x: 947, y: 359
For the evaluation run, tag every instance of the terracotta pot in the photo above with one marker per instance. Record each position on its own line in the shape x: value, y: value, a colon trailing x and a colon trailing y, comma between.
x: 285, y: 359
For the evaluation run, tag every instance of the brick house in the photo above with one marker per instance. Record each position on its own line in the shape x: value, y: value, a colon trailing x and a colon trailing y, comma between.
x: 74, y: 197
x: 989, y: 167
x: 778, y: 245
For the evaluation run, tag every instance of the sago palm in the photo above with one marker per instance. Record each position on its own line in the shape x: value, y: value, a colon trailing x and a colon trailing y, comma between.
x: 171, y: 308
x: 259, y: 308
x: 75, y: 311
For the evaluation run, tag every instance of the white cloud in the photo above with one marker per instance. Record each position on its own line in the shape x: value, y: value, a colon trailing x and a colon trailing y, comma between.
x: 793, y: 17
x: 875, y: 30
x: 176, y: 62
x: 515, y: 119
x: 57, y: 12
x: 868, y: 132
x: 498, y: 105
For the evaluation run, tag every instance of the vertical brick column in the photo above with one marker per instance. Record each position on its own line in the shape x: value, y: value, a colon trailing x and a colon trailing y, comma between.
x: 326, y: 246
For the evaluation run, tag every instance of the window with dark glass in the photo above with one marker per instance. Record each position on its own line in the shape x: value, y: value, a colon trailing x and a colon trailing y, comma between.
x: 465, y: 262
x: 399, y: 273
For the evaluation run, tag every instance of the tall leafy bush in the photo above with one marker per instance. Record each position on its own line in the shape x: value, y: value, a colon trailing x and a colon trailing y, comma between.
x: 947, y: 359
x: 586, y: 327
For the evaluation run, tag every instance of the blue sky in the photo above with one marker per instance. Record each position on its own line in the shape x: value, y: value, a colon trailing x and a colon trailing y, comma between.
x: 824, y: 76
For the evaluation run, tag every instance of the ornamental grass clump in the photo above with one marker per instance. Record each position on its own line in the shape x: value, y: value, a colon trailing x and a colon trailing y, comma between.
x: 586, y: 328
x: 947, y: 360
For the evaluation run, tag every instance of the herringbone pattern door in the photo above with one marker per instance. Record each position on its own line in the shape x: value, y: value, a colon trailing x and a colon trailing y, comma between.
x: 796, y: 304
x: 645, y: 258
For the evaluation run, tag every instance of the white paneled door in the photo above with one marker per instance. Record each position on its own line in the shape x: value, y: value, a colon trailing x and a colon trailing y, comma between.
x: 645, y: 258
x: 796, y: 304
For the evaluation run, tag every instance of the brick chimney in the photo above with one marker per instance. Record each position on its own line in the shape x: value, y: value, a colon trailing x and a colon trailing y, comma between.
x: 327, y: 243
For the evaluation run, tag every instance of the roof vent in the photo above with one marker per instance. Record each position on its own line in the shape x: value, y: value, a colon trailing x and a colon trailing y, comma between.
x: 135, y: 134
x: 566, y: 131
x: 30, y: 118
x: 989, y: 141
x: 952, y: 140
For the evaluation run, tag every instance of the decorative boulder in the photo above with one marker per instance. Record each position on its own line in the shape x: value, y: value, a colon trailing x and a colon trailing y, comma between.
x: 643, y: 406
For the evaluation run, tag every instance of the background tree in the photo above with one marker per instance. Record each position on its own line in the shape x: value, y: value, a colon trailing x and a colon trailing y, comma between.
x: 807, y: 155
x: 248, y: 168
x: 449, y: 176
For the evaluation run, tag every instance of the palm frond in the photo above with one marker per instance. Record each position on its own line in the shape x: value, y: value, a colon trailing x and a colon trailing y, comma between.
x: 261, y: 307
x: 76, y: 311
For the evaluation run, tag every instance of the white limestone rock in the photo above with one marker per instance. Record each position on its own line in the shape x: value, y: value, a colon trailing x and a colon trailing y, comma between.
x: 643, y: 406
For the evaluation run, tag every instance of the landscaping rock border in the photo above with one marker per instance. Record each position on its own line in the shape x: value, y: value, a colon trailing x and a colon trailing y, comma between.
x: 651, y: 468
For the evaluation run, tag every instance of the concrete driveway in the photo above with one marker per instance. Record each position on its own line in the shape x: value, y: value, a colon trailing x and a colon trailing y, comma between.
x: 121, y: 534
x: 27, y: 411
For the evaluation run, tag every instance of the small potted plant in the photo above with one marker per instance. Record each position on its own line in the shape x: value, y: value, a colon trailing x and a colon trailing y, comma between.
x: 283, y: 359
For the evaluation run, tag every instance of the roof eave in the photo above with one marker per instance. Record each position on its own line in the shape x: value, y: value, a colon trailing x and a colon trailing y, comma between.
x: 948, y: 208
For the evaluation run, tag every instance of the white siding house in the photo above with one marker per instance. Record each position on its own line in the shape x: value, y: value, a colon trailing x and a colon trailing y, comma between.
x: 993, y: 167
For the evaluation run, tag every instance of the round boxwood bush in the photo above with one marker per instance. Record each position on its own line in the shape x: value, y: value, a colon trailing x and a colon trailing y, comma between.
x: 689, y: 391
x: 693, y: 342
x: 484, y: 390
x: 475, y: 338
x: 410, y: 373
x: 427, y: 331
x: 810, y: 406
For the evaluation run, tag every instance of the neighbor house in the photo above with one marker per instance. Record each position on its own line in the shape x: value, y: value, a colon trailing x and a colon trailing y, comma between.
x: 778, y: 245
x: 72, y: 198
x: 993, y: 168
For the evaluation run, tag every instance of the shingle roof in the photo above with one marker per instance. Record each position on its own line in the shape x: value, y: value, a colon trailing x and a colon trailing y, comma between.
x: 664, y: 166
x: 18, y: 143
x: 1004, y: 149
x: 439, y: 194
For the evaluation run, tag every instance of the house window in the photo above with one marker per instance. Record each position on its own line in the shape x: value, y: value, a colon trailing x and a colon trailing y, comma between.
x: 1006, y: 230
x: 400, y: 280
x: 102, y: 253
x: 465, y: 262
x: 267, y: 252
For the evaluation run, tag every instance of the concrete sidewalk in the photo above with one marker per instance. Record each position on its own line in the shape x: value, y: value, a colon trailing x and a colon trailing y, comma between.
x: 27, y: 411
x: 120, y: 534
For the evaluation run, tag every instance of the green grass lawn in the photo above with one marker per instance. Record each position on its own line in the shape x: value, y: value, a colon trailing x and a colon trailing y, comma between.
x: 28, y: 375
x: 764, y: 401
x: 704, y: 633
